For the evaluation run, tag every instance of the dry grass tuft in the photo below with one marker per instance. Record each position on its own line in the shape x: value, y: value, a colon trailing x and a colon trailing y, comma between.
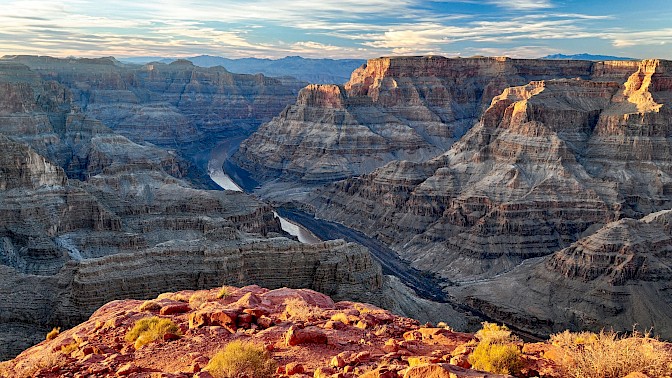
x: 53, y: 333
x: 242, y: 359
x: 69, y: 348
x: 198, y: 298
x: 224, y: 292
x: 608, y: 355
x: 495, y: 334
x: 149, y: 329
x: 297, y: 309
x: 496, y: 358
x: 150, y: 306
x: 340, y: 317
x: 180, y: 297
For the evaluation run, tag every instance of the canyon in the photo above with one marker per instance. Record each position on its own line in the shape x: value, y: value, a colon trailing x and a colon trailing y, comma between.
x: 558, y: 150
x: 92, y: 213
x: 531, y: 192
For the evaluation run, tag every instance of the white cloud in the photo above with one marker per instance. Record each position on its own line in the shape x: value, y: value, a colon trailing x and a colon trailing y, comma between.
x: 628, y: 39
x: 522, y: 4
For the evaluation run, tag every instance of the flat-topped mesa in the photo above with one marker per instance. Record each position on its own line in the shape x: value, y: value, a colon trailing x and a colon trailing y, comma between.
x: 321, y: 95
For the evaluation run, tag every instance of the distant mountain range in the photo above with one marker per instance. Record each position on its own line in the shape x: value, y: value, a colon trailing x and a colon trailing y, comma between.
x: 320, y: 71
x: 584, y: 56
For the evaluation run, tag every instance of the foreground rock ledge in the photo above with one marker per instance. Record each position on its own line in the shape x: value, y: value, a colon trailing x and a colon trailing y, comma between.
x: 307, y: 334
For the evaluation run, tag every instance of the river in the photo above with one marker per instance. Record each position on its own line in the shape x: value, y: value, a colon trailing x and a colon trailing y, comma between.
x: 300, y: 224
x: 308, y: 229
x: 218, y: 157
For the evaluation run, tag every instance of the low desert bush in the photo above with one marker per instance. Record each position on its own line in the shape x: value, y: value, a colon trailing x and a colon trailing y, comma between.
x: 241, y: 359
x: 608, y: 355
x: 496, y: 358
x: 298, y: 309
x: 495, y: 334
x: 150, y: 306
x: 53, y: 333
x: 149, y: 329
x: 496, y: 351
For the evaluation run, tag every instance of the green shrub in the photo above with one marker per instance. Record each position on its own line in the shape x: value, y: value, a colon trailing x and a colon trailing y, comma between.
x: 495, y: 334
x: 495, y: 351
x: 608, y: 355
x: 149, y: 329
x: 241, y: 359
x: 496, y: 358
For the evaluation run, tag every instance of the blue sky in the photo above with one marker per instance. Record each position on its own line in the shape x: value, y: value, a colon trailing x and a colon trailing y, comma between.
x: 336, y: 28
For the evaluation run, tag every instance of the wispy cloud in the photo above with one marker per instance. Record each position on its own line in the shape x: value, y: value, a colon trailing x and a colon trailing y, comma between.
x: 652, y: 37
x: 325, y: 28
x: 522, y: 4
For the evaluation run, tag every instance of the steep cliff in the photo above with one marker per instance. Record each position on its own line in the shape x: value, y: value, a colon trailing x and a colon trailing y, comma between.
x: 615, y: 278
x: 88, y: 216
x: 548, y: 163
x: 410, y: 108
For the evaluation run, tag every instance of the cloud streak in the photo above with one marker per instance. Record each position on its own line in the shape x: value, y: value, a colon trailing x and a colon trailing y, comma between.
x: 326, y: 28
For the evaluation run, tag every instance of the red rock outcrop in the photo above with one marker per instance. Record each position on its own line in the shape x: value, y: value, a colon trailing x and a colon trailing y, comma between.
x: 98, y: 346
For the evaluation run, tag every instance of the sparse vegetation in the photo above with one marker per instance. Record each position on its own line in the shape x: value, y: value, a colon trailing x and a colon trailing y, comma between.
x: 198, y: 298
x: 180, y: 297
x: 608, y: 355
x: 224, y: 292
x: 53, y: 333
x: 150, y: 306
x: 496, y: 351
x: 241, y: 359
x: 69, y: 348
x: 149, y: 329
x: 298, y: 309
x: 495, y: 334
x: 340, y: 317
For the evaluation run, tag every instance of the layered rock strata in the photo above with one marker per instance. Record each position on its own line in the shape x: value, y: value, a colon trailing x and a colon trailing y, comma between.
x: 88, y: 216
x: 548, y: 163
x: 173, y: 105
x: 615, y: 278
x: 410, y: 108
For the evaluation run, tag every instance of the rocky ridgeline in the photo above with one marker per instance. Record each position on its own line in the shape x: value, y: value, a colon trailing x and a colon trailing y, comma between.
x: 177, y: 105
x: 392, y: 108
x: 305, y: 332
x: 548, y: 163
x: 617, y: 277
